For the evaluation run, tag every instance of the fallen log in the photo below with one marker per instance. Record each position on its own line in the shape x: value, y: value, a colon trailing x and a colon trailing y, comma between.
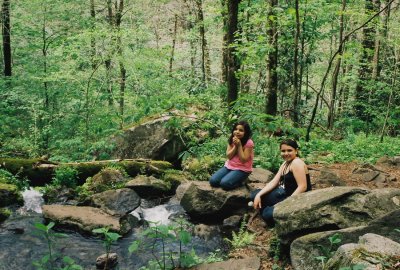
x: 40, y: 172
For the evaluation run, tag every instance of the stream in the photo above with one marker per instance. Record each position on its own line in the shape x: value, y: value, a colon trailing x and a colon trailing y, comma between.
x: 20, y: 245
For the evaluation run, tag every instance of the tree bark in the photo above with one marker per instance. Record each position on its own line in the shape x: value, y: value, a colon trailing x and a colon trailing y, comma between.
x: 331, y: 113
x: 233, y: 63
x: 272, y: 78
x: 296, y: 90
x: 6, y: 31
x: 205, y: 59
x: 92, y: 39
x: 171, y: 59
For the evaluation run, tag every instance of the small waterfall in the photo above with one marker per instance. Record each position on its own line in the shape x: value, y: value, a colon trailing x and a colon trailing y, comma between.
x: 159, y: 214
x: 33, y: 201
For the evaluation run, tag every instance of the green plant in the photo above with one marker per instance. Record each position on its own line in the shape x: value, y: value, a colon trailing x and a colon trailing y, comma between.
x: 65, y: 176
x: 328, y: 251
x: 8, y: 178
x: 48, y: 261
x: 242, y: 238
x: 109, y: 239
x: 161, y: 236
x: 353, y: 267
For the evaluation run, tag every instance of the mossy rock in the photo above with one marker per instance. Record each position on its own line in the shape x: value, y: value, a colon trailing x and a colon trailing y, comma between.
x: 176, y: 177
x: 41, y: 172
x: 4, y: 214
x: 9, y: 195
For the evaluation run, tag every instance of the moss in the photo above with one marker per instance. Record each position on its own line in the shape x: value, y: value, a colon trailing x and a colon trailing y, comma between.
x: 4, y: 214
x: 175, y: 177
x: 9, y: 194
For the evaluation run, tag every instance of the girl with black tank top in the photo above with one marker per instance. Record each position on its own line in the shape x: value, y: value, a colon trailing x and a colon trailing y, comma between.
x: 292, y: 178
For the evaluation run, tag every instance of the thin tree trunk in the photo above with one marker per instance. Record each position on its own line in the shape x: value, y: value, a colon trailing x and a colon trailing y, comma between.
x: 296, y: 94
x: 224, y: 63
x: 171, y: 59
x: 205, y: 60
x: 92, y: 39
x: 6, y: 31
x: 122, y: 79
x: 233, y: 62
x: 272, y: 78
x: 331, y: 113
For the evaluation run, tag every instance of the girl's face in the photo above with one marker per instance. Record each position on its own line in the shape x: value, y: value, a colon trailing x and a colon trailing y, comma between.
x: 238, y: 132
x: 288, y: 153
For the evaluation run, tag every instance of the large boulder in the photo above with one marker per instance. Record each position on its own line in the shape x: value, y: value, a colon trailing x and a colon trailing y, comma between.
x: 117, y: 202
x: 150, y: 187
x: 207, y: 204
x: 85, y: 218
x: 151, y: 139
x: 372, y: 251
x: 332, y: 209
x: 249, y: 263
x: 105, y: 179
x: 305, y: 249
x: 9, y: 195
x: 259, y: 178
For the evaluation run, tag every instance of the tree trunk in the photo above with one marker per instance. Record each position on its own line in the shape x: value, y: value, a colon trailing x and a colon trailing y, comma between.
x: 205, y: 60
x: 224, y: 63
x: 365, y: 70
x: 296, y: 90
x: 92, y: 39
x: 6, y: 31
x: 171, y: 59
x: 122, y: 78
x: 331, y: 113
x: 233, y: 62
x: 272, y: 78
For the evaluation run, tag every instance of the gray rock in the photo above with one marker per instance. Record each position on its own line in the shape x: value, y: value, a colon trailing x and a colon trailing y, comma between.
x: 84, y: 218
x: 205, y: 203
x: 369, y: 176
x: 251, y: 263
x: 330, y: 178
x: 149, y: 186
x: 305, y: 249
x: 260, y: 175
x: 111, y: 261
x: 117, y: 202
x: 332, y: 209
x: 151, y: 140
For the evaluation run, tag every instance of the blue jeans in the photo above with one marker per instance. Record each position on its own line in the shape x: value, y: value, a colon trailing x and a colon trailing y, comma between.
x: 268, y: 201
x: 228, y: 179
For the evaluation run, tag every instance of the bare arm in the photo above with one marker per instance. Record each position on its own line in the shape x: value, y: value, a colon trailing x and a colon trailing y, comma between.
x: 299, y: 173
x: 231, y: 151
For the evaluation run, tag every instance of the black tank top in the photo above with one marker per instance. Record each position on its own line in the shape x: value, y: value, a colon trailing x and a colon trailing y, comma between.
x: 290, y: 183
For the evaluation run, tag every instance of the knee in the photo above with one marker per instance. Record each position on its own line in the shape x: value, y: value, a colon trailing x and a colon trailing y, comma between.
x: 267, y: 214
x: 214, y: 182
x: 227, y: 185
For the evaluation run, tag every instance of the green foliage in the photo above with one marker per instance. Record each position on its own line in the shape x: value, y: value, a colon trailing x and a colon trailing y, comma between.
x: 4, y: 214
x: 8, y: 178
x: 353, y: 267
x: 241, y: 239
x: 160, y: 235
x: 329, y: 251
x: 65, y: 176
x: 359, y: 148
x: 108, y: 238
x: 50, y: 260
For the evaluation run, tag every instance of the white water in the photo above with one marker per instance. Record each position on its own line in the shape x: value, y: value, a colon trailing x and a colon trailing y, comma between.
x: 158, y: 214
x: 33, y: 201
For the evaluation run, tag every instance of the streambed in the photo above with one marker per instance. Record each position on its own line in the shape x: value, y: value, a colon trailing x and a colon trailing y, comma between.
x: 20, y: 245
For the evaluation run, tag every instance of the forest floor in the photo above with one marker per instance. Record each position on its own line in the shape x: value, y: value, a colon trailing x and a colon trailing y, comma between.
x: 265, y: 235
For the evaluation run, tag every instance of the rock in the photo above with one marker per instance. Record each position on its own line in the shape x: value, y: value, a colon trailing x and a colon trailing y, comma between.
x: 181, y: 189
x: 305, y: 249
x: 251, y: 263
x: 209, y: 205
x: 84, y: 218
x: 331, y: 209
x: 260, y: 175
x: 4, y: 214
x: 205, y: 232
x: 232, y: 223
x: 9, y: 195
x: 106, y: 179
x: 150, y: 187
x: 151, y: 139
x: 369, y: 251
x: 330, y: 178
x: 117, y: 202
x: 112, y: 261
x: 369, y: 176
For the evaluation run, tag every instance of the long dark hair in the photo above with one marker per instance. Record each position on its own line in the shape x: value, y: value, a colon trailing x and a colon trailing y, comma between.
x: 247, y: 132
x: 291, y: 143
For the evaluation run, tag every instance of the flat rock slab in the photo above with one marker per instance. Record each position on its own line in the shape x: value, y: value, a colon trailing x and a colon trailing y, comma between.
x: 84, y: 217
x: 251, y: 263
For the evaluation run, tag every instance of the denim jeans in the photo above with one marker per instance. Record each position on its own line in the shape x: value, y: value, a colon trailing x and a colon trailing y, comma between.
x: 268, y: 201
x: 228, y: 179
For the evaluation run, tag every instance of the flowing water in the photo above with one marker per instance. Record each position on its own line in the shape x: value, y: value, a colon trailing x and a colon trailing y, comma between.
x: 20, y: 245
